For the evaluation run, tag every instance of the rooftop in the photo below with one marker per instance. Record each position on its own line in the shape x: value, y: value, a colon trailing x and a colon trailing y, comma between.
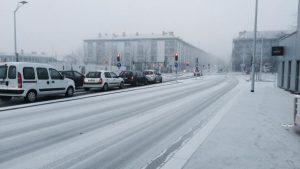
x: 245, y: 35
x: 136, y: 36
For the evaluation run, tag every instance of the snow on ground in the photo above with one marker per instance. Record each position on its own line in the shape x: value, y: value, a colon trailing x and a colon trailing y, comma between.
x: 35, y: 129
x: 251, y: 134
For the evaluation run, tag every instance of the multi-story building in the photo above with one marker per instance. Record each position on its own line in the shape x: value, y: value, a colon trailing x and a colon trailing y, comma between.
x: 144, y: 51
x: 242, y: 50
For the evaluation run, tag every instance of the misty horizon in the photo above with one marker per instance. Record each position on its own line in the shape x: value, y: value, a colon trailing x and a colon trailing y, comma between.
x: 59, y: 27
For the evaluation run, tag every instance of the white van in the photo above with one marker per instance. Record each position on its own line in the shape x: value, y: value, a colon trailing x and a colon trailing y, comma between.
x: 30, y: 80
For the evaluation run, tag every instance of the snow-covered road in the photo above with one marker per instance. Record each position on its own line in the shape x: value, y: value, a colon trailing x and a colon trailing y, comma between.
x: 121, y: 130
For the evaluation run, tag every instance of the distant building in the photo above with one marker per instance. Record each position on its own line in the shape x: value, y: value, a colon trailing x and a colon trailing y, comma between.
x: 242, y: 50
x: 144, y: 51
x: 27, y: 58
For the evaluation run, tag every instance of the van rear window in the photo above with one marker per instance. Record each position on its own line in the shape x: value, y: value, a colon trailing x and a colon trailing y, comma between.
x: 3, y: 72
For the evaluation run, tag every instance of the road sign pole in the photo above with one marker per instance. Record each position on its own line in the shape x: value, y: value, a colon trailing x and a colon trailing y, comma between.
x: 176, y: 65
x: 176, y: 74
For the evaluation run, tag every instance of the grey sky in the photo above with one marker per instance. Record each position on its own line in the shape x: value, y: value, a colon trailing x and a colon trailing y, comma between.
x: 60, y: 25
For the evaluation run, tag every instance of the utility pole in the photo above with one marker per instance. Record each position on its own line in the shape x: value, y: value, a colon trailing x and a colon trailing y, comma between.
x: 254, y: 48
x: 20, y: 4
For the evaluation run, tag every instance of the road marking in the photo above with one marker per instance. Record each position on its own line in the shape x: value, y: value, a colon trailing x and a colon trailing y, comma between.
x: 181, y: 157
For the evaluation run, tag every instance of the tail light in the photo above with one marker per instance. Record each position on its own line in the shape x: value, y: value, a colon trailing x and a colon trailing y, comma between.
x: 19, y: 80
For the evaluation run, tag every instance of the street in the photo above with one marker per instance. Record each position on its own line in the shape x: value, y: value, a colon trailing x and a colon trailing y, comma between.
x: 121, y: 130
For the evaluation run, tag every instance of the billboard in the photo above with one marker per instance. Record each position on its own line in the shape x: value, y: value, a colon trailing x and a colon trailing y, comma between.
x: 277, y: 51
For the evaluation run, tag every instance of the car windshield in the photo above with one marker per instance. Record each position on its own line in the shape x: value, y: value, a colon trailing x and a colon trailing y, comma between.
x: 93, y: 75
x: 3, y: 72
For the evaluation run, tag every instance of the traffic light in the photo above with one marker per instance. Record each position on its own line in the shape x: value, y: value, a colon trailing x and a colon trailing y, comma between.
x: 176, y: 56
x: 118, y: 57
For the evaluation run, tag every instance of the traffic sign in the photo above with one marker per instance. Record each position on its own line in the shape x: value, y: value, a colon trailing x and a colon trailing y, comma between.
x: 119, y: 65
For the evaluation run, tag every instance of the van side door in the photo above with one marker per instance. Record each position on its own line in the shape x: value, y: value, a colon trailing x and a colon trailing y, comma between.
x: 29, y: 78
x: 43, y: 82
x: 57, y: 82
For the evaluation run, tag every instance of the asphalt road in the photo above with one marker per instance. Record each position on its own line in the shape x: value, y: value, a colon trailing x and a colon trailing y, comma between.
x: 132, y: 129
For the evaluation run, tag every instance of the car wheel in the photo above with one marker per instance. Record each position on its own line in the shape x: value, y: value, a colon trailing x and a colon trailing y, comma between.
x: 5, y: 98
x: 31, y: 96
x: 86, y: 89
x: 121, y: 85
x: 105, y: 87
x: 69, y: 92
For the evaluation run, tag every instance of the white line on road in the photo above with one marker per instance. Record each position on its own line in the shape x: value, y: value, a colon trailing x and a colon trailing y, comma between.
x: 181, y: 157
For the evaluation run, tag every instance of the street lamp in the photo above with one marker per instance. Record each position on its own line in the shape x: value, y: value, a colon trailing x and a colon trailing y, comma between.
x: 20, y: 4
x: 254, y: 47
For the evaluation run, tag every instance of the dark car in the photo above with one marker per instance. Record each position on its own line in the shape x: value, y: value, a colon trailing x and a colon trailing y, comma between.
x: 135, y: 78
x: 77, y: 77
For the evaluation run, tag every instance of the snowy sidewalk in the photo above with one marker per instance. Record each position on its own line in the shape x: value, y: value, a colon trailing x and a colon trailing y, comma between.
x: 251, y: 135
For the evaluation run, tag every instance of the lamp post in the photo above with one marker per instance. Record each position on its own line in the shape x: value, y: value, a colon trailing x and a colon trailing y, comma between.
x: 254, y: 47
x: 20, y: 4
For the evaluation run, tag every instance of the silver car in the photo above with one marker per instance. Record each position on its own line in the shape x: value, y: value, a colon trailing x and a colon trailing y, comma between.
x: 153, y: 76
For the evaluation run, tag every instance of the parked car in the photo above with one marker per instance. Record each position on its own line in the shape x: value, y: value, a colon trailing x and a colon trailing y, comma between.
x: 134, y: 77
x: 153, y: 76
x: 77, y: 77
x: 30, y: 80
x: 197, y: 72
x: 102, y: 79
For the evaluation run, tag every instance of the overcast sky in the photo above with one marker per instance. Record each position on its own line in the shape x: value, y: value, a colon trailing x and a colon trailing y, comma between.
x: 60, y: 26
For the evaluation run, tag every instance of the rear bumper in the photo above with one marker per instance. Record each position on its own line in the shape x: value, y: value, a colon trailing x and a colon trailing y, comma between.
x: 151, y: 79
x: 90, y: 85
x: 11, y: 92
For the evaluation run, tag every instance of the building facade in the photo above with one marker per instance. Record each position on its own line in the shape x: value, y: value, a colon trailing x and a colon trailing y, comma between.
x: 289, y: 64
x: 242, y: 50
x: 142, y: 52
